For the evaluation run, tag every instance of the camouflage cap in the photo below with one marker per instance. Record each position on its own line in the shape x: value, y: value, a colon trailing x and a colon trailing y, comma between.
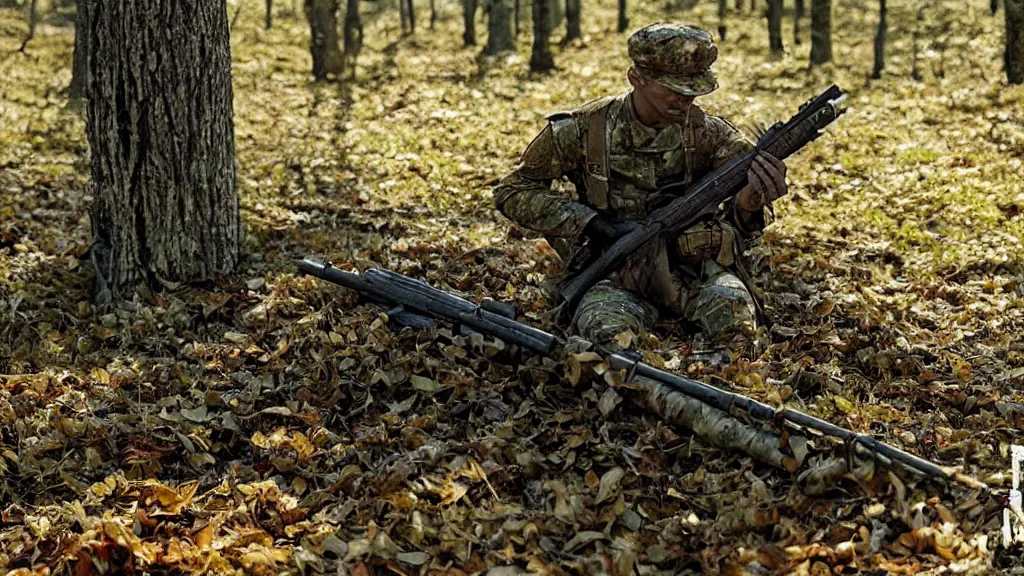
x: 676, y: 55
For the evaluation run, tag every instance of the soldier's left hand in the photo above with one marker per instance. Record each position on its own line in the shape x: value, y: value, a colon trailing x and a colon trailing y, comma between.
x: 766, y: 182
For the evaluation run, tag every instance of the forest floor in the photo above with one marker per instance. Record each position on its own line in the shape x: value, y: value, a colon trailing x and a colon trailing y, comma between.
x: 270, y: 423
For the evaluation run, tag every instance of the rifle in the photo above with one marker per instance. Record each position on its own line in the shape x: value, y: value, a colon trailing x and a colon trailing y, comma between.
x: 702, y: 199
x: 416, y: 304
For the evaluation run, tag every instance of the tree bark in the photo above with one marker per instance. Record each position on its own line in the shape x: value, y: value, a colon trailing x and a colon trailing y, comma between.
x: 411, y: 11
x: 821, y: 31
x: 403, y: 17
x: 623, y: 20
x: 572, y: 20
x: 469, y: 22
x: 774, y: 13
x: 798, y: 14
x: 323, y: 38
x: 994, y: 6
x: 722, y: 8
x: 499, y: 28
x: 160, y: 127
x: 1014, y: 55
x: 268, y: 19
x: 353, y: 36
x: 433, y: 14
x: 876, y: 72
x: 80, y: 59
x: 541, y: 59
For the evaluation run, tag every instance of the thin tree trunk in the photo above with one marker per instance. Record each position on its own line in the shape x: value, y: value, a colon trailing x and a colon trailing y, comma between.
x: 798, y: 14
x: 541, y: 59
x: 753, y: 5
x: 821, y: 31
x: 160, y: 128
x: 915, y: 72
x: 403, y: 16
x: 623, y: 20
x: 80, y: 59
x: 572, y: 21
x: 353, y: 36
x: 323, y: 40
x: 774, y: 14
x: 518, y: 15
x: 722, y: 8
x: 469, y: 22
x: 499, y: 28
x: 433, y: 14
x: 269, y: 18
x: 994, y: 6
x: 1014, y: 54
x: 33, y: 13
x: 876, y: 72
x: 411, y: 11
x: 739, y: 5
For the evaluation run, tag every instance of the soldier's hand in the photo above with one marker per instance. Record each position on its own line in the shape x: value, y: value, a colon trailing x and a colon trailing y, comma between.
x: 766, y: 183
x: 606, y: 231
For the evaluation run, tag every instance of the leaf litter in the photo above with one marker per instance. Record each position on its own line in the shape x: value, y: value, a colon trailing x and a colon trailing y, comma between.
x: 268, y: 423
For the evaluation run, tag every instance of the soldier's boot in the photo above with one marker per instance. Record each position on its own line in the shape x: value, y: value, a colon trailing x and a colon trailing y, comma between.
x: 724, y: 309
x: 606, y: 311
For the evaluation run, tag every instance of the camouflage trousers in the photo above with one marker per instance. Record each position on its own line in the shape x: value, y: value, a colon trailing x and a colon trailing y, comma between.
x: 718, y: 303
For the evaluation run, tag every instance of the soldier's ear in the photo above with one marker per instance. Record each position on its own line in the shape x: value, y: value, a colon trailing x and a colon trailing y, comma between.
x: 635, y: 78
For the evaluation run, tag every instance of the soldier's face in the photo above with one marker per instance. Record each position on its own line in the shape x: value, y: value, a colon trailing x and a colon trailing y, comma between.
x: 670, y: 103
x: 660, y: 103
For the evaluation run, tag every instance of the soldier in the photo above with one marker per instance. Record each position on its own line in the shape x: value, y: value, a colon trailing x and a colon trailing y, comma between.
x: 617, y: 152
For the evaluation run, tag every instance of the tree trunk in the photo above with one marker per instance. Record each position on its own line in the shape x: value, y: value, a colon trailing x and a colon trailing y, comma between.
x: 353, y: 36
x: 33, y: 13
x: 753, y: 5
x: 876, y: 72
x: 403, y: 17
x: 821, y: 31
x: 774, y: 13
x: 798, y: 14
x: 1014, y: 55
x: 323, y: 38
x: 411, y: 11
x: 433, y: 14
x: 994, y: 6
x: 518, y: 15
x: 739, y: 5
x: 80, y: 60
x: 499, y: 28
x: 160, y: 127
x: 268, y: 19
x: 722, y: 8
x: 572, y: 20
x: 469, y: 22
x: 541, y: 59
x: 915, y: 72
x: 623, y: 20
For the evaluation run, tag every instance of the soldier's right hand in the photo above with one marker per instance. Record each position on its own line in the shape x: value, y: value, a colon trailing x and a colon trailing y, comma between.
x: 606, y: 230
x: 766, y: 182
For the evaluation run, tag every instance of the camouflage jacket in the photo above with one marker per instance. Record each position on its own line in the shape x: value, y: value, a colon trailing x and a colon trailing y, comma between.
x: 640, y: 160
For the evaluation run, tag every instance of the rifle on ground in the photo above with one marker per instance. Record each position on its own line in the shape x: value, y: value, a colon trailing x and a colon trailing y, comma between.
x: 417, y: 304
x: 701, y: 200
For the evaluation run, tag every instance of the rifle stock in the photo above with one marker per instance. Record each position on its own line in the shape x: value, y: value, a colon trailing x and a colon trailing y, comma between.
x: 701, y: 200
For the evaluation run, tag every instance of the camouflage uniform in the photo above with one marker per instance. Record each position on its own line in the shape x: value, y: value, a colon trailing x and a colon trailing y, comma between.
x: 701, y: 261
